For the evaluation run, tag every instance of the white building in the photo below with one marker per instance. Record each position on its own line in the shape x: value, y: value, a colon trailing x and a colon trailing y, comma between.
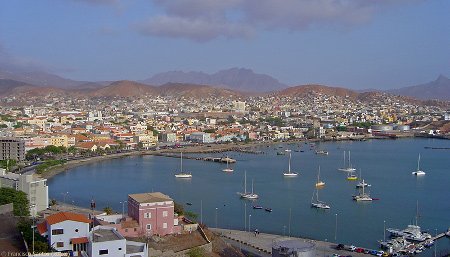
x: 201, y: 137
x: 239, y: 106
x: 66, y: 231
x: 36, y: 188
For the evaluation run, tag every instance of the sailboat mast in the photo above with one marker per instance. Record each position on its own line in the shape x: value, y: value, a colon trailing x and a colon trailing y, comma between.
x: 418, y: 163
x: 417, y: 211
x: 245, y: 182
x: 318, y: 175
x: 349, y: 162
x: 252, y: 186
x: 181, y: 163
x: 344, y: 160
x: 289, y: 163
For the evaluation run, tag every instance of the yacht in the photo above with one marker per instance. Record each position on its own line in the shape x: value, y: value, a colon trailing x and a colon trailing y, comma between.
x: 349, y: 167
x: 361, y: 182
x: 316, y: 203
x: 362, y: 196
x: 351, y: 176
x: 319, y: 182
x: 322, y: 152
x: 245, y: 194
x: 290, y: 173
x: 412, y: 232
x: 227, y: 169
x: 418, y: 172
x: 182, y: 174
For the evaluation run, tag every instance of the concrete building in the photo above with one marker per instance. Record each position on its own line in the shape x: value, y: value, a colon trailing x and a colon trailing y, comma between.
x: 12, y: 148
x: 66, y: 231
x: 239, y: 106
x: 167, y: 137
x: 201, y: 137
x: 36, y: 188
x: 154, y: 212
x: 106, y: 241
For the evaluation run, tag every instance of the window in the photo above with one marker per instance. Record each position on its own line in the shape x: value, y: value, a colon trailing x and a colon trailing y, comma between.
x: 164, y: 213
x: 76, y: 230
x: 103, y: 252
x: 60, y: 244
x: 148, y: 215
x: 126, y: 230
x: 120, y: 249
x: 149, y: 226
x: 135, y: 229
x: 57, y: 231
x: 164, y: 225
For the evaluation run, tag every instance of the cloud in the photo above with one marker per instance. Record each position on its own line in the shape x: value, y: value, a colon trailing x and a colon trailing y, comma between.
x: 203, y: 20
x: 198, y: 29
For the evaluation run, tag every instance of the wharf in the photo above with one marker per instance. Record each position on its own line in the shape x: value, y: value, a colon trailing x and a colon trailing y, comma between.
x: 262, y: 242
x: 210, y: 159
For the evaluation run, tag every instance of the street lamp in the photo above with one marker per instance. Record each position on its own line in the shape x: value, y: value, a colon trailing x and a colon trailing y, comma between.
x: 65, y: 195
x: 384, y: 231
x: 335, y: 230
x: 123, y: 208
x: 249, y: 222
x: 284, y: 230
x: 216, y: 216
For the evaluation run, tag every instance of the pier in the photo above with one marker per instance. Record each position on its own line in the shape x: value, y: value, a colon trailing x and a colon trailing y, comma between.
x: 262, y: 242
x: 209, y: 159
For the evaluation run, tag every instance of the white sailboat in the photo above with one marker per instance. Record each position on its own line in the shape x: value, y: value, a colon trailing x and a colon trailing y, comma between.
x: 290, y: 173
x: 362, y: 196
x: 418, y: 172
x: 182, y: 174
x: 361, y: 182
x: 348, y: 168
x: 316, y: 203
x: 245, y: 194
x: 319, y: 182
x: 227, y: 169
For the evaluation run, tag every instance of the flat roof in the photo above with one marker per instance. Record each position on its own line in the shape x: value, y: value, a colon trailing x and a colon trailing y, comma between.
x: 103, y: 235
x: 150, y: 197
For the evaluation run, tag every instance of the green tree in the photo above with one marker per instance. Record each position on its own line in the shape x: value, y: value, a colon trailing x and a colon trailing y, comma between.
x: 178, y: 209
x: 191, y: 215
x: 196, y: 252
x: 108, y: 210
x: 19, y: 200
x: 40, y: 243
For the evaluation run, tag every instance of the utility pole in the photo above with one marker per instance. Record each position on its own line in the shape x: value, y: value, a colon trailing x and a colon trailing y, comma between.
x: 384, y: 231
x: 290, y: 217
x: 201, y: 211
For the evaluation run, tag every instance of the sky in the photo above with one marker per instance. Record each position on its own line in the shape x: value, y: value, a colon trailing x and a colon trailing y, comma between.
x: 356, y: 44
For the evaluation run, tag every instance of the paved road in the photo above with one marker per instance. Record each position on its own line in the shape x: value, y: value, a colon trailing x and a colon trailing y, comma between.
x: 263, y: 242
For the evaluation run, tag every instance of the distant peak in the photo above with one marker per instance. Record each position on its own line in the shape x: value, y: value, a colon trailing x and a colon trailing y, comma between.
x: 441, y: 78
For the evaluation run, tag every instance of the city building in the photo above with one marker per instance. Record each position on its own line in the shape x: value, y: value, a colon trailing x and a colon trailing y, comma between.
x: 36, y: 188
x: 12, y: 148
x: 201, y: 137
x: 167, y: 137
x: 238, y: 106
x: 154, y: 213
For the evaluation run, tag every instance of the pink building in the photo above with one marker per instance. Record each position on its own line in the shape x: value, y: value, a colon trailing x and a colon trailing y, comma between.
x: 154, y: 212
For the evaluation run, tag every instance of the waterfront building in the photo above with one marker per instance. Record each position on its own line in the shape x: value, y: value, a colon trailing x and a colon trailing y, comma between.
x: 201, y: 137
x: 106, y: 241
x: 154, y: 213
x: 36, y: 188
x: 12, y: 148
x: 167, y: 137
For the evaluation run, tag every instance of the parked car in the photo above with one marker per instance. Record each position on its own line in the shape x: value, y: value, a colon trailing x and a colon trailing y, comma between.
x: 352, y: 248
x: 373, y: 252
x: 359, y: 250
x: 340, y: 247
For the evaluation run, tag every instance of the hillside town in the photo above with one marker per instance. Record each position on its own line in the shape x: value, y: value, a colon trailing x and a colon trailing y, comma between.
x: 40, y: 133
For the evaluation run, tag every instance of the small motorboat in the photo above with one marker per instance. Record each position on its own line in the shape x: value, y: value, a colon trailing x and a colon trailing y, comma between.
x: 268, y: 209
x: 257, y: 207
x: 189, y: 204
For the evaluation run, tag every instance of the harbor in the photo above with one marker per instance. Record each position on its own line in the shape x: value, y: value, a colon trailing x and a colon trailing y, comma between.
x: 211, y: 191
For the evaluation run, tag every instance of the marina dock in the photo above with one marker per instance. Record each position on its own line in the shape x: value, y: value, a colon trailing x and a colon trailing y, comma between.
x: 209, y: 159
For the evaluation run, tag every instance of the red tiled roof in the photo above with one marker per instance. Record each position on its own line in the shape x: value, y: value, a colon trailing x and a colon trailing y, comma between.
x: 63, y: 216
x: 79, y: 240
x: 42, y: 227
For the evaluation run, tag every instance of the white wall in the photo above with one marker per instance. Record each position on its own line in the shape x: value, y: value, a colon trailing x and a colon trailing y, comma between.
x: 116, y: 248
x: 69, y: 228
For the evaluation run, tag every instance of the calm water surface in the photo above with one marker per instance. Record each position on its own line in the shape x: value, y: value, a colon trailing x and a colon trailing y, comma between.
x: 386, y: 164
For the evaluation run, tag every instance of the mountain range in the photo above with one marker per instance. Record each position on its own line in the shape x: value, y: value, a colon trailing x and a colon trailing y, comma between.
x: 235, y: 78
x: 230, y: 82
